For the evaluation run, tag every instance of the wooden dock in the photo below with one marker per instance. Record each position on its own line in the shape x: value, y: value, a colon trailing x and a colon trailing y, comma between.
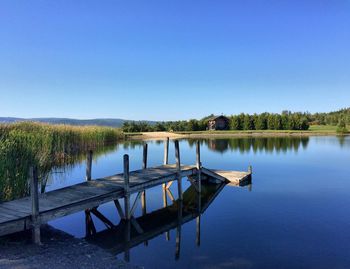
x: 31, y: 212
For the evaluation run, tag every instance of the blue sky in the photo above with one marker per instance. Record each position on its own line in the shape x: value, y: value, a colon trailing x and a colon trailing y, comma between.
x: 167, y: 60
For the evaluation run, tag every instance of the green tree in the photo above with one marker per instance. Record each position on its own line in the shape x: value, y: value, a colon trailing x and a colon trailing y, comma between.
x: 270, y: 122
x: 235, y: 123
x: 192, y: 125
x: 248, y: 123
x: 277, y: 122
x: 342, y: 126
x: 160, y: 127
x: 260, y: 122
x: 304, y: 123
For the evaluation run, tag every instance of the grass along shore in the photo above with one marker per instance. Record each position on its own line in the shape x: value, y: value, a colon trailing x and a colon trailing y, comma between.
x: 313, y: 130
x: 46, y: 146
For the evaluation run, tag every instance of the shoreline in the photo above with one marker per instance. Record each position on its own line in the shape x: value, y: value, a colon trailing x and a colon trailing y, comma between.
x: 58, y: 250
x: 228, y: 134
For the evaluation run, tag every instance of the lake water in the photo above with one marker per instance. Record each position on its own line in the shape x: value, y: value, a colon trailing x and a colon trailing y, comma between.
x: 296, y: 213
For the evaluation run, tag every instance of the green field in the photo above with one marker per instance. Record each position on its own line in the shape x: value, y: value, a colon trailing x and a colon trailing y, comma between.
x: 314, y: 129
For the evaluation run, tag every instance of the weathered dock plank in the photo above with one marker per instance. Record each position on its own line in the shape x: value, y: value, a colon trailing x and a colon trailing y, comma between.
x: 17, y: 214
x: 235, y: 177
x: 231, y: 177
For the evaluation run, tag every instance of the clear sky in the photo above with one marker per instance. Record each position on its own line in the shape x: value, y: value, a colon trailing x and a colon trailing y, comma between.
x: 167, y: 60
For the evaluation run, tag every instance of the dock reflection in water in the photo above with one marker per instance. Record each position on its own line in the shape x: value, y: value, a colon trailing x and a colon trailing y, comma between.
x: 128, y: 234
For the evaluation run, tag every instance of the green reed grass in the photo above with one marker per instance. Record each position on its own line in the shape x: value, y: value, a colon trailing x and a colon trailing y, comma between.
x: 46, y: 146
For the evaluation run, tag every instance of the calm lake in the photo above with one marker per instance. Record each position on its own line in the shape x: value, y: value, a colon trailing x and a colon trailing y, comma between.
x: 296, y: 213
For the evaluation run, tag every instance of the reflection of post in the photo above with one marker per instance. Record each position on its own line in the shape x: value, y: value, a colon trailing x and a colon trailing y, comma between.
x: 143, y: 203
x: 127, y: 240
x: 144, y: 209
x: 250, y: 171
x: 198, y: 230
x: 198, y: 220
x: 89, y: 224
x: 178, y: 169
x: 35, y: 205
x: 178, y: 230
x: 199, y: 194
x: 199, y: 166
x: 126, y: 187
x: 88, y: 165
x: 165, y: 204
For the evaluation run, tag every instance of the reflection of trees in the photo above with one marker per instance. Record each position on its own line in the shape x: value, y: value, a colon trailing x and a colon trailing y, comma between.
x: 266, y: 144
x: 344, y: 141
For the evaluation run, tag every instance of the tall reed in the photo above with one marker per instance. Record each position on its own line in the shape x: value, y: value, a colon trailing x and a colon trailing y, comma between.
x: 28, y: 143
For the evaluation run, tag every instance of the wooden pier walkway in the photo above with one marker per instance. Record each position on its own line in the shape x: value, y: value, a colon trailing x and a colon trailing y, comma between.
x: 31, y: 212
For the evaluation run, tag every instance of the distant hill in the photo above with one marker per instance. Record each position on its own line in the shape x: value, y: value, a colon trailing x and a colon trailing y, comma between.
x: 98, y: 122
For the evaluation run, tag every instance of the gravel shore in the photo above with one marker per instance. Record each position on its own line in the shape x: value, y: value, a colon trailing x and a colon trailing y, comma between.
x: 58, y: 251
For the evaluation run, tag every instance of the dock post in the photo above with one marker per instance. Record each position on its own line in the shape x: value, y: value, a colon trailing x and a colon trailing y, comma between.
x: 35, y: 205
x: 88, y: 165
x: 166, y: 151
x: 166, y: 155
x: 126, y: 187
x: 145, y: 150
x: 178, y: 168
x: 250, y: 169
x: 199, y: 166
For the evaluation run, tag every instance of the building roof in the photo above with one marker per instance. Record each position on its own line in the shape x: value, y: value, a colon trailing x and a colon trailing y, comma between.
x: 216, y: 117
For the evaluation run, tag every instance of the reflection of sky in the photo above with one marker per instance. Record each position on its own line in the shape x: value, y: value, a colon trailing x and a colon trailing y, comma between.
x: 296, y: 215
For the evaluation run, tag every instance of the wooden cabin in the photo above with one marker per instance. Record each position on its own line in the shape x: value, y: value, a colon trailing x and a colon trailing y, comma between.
x: 218, y: 123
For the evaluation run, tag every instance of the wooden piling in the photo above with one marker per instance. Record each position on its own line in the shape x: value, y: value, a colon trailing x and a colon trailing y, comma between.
x: 166, y: 151
x: 126, y: 187
x: 90, y: 228
x: 145, y: 151
x: 166, y: 155
x: 88, y: 165
x: 199, y: 166
x: 250, y: 169
x: 35, y: 204
x: 178, y: 169
x: 119, y: 209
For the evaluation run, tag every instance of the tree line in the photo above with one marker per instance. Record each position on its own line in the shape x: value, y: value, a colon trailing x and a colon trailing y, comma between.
x: 331, y: 118
x: 264, y: 121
